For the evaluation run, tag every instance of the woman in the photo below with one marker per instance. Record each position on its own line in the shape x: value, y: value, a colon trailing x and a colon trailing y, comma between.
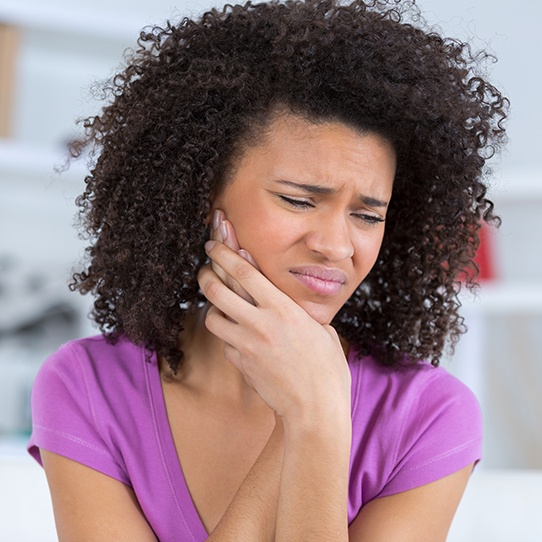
x: 284, y: 200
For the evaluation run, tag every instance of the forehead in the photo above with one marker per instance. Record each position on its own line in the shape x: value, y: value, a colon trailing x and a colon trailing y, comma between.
x: 294, y: 148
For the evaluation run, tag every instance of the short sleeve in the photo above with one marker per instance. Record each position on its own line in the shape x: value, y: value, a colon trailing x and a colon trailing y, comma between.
x: 441, y: 433
x: 63, y: 417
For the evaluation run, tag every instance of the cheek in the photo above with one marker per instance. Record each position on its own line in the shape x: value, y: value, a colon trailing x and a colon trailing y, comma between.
x: 256, y: 229
x: 367, y: 253
x: 264, y: 238
x: 267, y: 236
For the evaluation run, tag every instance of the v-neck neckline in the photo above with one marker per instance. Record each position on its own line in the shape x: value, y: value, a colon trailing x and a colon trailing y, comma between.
x: 170, y: 458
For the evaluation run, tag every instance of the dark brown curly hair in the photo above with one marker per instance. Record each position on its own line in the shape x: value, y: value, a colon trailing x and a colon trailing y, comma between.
x: 184, y: 107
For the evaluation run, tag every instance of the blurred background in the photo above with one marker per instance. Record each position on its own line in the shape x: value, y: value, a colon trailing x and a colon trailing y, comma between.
x: 53, y: 51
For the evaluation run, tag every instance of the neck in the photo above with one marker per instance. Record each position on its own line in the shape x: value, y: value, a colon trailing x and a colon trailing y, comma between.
x: 205, y: 370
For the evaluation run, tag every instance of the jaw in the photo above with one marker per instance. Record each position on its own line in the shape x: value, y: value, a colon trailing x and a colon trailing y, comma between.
x: 322, y: 312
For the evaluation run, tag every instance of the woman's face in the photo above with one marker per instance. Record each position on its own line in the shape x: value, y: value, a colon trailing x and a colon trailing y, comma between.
x: 309, y: 204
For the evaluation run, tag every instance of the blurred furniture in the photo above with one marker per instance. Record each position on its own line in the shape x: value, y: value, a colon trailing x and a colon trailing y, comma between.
x: 8, y: 47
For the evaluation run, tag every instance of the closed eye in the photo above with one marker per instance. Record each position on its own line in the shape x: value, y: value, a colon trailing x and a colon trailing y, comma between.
x: 304, y: 204
x: 370, y: 219
x: 298, y: 203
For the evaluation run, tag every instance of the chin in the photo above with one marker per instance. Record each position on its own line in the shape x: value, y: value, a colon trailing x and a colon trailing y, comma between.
x: 321, y: 313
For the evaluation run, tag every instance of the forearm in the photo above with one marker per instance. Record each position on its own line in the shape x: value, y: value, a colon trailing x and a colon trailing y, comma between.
x: 313, y: 493
x: 251, y: 516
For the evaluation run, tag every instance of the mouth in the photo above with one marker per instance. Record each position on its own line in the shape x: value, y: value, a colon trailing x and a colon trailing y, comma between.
x: 320, y: 280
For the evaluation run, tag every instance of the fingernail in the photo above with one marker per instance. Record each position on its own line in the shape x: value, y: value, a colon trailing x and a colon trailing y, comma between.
x: 223, y: 230
x: 216, y: 219
x: 218, y: 235
x: 244, y: 254
x: 247, y: 256
x: 209, y: 245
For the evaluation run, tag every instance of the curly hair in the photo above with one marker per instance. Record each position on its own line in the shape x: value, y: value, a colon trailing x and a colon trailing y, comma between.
x: 193, y: 93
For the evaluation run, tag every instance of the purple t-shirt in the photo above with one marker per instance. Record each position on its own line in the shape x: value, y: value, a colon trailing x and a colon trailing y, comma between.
x: 102, y: 405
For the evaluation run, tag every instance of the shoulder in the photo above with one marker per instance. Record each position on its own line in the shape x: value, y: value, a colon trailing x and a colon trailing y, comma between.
x: 92, y: 361
x: 96, y: 350
x: 419, y: 391
x: 411, y: 426
x: 92, y: 375
x: 80, y: 397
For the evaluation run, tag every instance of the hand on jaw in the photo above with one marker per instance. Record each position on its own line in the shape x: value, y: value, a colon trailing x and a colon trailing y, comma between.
x: 294, y: 363
x: 224, y: 232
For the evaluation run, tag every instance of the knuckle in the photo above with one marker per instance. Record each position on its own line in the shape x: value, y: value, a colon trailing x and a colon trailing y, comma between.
x: 212, y: 289
x: 264, y: 333
x: 243, y: 271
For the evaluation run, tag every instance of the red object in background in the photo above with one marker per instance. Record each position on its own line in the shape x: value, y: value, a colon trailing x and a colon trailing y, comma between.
x: 484, y: 255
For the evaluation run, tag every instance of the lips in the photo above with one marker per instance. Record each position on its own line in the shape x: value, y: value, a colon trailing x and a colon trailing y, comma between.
x: 321, y: 280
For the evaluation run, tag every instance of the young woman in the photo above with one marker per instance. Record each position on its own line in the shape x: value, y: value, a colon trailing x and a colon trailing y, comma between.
x: 284, y: 200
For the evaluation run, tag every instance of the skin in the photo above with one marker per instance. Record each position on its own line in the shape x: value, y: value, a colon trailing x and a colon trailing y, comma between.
x: 289, y: 223
x: 265, y: 378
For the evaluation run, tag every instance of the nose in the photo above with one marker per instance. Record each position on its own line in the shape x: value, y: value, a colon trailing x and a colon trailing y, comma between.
x: 330, y: 237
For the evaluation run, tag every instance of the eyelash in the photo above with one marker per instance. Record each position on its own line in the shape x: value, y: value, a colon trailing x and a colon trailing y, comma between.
x: 303, y: 204
x: 299, y: 203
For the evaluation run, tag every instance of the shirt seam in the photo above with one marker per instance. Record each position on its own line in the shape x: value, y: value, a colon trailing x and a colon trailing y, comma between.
x: 89, y: 401
x: 159, y: 442
x: 428, y: 375
x: 92, y: 411
x: 75, y: 439
x: 441, y: 456
x: 356, y: 367
x: 405, y: 417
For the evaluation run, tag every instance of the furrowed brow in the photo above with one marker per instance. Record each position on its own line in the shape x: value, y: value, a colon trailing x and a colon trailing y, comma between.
x: 317, y: 189
x: 373, y: 202
x: 308, y: 188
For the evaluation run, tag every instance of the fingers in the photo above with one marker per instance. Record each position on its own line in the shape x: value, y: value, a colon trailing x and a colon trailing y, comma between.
x: 224, y: 232
x: 222, y: 296
x: 219, y: 232
x: 224, y: 328
x: 248, y: 257
x: 243, y: 272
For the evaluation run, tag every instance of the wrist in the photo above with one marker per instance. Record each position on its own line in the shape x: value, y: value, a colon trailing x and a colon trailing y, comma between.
x: 316, y: 422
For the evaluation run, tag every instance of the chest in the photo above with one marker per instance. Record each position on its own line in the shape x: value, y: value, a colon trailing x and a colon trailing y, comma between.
x: 216, y: 447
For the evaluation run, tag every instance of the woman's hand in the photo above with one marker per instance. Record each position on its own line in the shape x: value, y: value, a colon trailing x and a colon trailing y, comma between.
x: 298, y: 367
x: 224, y: 232
x: 295, y: 364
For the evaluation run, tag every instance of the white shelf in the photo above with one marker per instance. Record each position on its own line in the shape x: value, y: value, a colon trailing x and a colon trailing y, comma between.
x: 505, y: 298
x: 517, y: 185
x: 31, y: 160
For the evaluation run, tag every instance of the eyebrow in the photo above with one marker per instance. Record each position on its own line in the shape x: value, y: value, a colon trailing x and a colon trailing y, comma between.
x: 317, y: 189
